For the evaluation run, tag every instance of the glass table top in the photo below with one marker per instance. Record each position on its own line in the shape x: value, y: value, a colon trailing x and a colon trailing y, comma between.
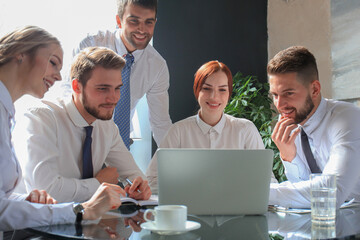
x: 272, y: 225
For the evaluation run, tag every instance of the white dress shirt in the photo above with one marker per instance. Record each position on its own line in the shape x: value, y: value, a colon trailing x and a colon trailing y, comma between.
x: 334, y: 137
x: 17, y: 214
x: 192, y: 132
x: 149, y: 75
x: 50, y: 138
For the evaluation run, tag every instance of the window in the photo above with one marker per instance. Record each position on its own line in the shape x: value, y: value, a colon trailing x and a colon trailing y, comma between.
x: 70, y: 21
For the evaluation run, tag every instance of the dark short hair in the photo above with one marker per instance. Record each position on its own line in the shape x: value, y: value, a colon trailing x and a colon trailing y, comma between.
x: 90, y: 58
x: 206, y: 70
x: 149, y: 4
x: 295, y: 59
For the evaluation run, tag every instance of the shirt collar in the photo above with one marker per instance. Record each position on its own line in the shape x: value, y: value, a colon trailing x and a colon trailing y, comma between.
x: 6, y: 100
x: 205, y: 128
x: 74, y: 114
x: 121, y: 49
x: 314, y: 121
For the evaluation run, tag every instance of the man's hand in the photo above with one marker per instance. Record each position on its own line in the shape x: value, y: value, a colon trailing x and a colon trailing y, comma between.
x: 40, y: 196
x: 108, y: 175
x: 144, y: 192
x: 284, y: 138
x: 106, y: 197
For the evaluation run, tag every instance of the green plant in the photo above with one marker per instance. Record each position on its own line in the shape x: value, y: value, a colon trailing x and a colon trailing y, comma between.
x: 275, y: 236
x: 250, y: 100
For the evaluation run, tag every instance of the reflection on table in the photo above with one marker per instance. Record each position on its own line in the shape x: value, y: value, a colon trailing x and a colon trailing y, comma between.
x: 111, y: 226
x: 299, y: 226
x: 231, y: 227
x: 115, y: 225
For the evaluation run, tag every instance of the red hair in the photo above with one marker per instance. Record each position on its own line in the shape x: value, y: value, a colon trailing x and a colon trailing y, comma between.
x: 206, y: 70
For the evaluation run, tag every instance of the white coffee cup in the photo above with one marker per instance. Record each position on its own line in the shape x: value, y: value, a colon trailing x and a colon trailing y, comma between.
x: 168, y: 217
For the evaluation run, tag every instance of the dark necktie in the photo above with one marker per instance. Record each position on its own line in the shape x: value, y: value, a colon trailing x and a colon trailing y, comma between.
x: 122, y: 109
x: 308, y: 153
x: 87, y: 158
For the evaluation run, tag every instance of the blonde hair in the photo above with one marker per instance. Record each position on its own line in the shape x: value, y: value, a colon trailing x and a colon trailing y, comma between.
x: 25, y: 40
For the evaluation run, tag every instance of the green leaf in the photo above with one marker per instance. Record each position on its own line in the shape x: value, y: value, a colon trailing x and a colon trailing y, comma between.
x: 250, y: 99
x: 252, y: 89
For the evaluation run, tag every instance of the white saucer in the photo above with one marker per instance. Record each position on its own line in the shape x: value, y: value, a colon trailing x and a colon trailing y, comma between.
x: 190, y: 225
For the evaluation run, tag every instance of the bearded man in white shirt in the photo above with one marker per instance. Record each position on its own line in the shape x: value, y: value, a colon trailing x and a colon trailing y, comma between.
x: 149, y: 75
x: 331, y: 128
x: 50, y: 137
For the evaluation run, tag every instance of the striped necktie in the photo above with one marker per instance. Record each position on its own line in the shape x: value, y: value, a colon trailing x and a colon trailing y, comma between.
x: 87, y: 158
x: 122, y: 109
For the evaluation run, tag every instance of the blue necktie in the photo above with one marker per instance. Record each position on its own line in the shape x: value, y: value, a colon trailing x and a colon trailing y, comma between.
x: 308, y: 153
x: 87, y: 158
x: 122, y: 109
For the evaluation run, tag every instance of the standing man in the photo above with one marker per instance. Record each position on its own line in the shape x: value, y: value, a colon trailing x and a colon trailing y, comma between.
x: 149, y: 73
x: 313, y: 134
x: 65, y: 143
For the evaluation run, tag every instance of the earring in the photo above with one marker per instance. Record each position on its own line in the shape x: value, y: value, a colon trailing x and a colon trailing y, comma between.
x: 20, y: 61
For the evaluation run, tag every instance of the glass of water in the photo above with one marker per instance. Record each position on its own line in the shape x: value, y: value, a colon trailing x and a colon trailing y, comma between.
x: 323, y: 198
x: 323, y: 231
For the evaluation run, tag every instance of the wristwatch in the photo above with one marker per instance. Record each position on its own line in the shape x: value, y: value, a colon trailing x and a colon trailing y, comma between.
x: 79, y: 211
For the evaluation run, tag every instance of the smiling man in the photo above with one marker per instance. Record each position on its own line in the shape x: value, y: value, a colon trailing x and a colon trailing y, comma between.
x: 306, y: 119
x: 51, y: 138
x: 149, y: 73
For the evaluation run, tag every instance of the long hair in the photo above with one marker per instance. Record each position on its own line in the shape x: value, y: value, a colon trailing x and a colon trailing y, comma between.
x: 25, y: 40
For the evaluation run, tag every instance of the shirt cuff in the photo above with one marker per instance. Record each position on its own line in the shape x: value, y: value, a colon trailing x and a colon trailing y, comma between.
x: 293, y: 169
x: 18, y: 197
x: 273, y: 199
x: 62, y: 213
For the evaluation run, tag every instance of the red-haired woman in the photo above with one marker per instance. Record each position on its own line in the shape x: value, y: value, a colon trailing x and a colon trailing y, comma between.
x: 211, y: 127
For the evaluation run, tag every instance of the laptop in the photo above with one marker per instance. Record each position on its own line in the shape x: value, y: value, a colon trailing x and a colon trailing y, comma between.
x: 215, y: 181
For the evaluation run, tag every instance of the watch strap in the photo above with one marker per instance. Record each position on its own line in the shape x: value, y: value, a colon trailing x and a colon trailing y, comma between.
x: 79, y: 211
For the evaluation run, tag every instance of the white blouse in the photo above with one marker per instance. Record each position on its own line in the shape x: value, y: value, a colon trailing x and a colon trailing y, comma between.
x: 192, y: 132
x: 17, y: 214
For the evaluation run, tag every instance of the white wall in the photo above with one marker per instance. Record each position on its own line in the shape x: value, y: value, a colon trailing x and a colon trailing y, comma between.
x: 306, y: 23
x: 345, y: 46
x: 68, y: 20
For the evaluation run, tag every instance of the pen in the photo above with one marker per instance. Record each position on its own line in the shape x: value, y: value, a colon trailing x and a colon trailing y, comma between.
x: 277, y: 208
x: 130, y: 183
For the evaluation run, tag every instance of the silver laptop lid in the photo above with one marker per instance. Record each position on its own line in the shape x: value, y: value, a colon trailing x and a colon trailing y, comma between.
x: 215, y: 181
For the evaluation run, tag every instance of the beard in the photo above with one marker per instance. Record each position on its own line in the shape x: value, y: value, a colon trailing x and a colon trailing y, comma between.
x: 133, y: 43
x: 303, y: 113
x: 95, y: 112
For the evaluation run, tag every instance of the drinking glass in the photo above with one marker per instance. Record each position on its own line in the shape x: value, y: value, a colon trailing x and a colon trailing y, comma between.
x: 323, y: 198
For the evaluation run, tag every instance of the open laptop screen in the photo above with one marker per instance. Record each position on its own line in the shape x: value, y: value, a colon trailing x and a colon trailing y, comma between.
x: 215, y: 181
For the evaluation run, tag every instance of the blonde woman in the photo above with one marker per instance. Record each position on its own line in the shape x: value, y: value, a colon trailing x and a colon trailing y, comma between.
x: 30, y: 63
